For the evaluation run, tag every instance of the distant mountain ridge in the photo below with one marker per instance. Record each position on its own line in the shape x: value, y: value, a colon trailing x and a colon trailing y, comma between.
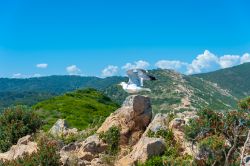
x: 218, y: 90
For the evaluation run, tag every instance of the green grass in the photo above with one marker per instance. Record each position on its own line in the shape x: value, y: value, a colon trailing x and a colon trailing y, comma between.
x: 80, y: 108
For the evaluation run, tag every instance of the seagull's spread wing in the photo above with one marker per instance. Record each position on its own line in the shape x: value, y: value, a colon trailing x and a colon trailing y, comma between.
x: 133, y: 77
x: 136, y: 76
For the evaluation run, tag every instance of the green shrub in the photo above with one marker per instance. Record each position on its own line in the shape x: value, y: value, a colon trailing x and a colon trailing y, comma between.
x: 154, y: 161
x: 111, y: 137
x: 47, y: 155
x: 214, y: 148
x: 16, y: 122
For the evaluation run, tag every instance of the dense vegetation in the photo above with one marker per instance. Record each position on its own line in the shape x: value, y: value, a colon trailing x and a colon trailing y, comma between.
x: 47, y: 155
x: 16, y: 122
x: 219, y: 136
x: 32, y: 90
x: 80, y: 108
x: 236, y: 79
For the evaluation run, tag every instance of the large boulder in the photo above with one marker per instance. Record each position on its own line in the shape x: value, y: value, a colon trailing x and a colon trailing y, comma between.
x: 23, y: 146
x: 61, y: 128
x: 142, y: 151
x: 132, y: 119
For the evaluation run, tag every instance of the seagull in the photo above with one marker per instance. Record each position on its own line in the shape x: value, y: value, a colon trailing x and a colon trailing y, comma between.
x: 135, y: 83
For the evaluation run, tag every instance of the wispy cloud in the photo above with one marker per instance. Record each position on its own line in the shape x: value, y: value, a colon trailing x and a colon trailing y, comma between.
x: 141, y: 64
x: 73, y: 70
x: 245, y: 58
x: 42, y: 65
x: 110, y: 71
x: 167, y: 64
x: 19, y: 75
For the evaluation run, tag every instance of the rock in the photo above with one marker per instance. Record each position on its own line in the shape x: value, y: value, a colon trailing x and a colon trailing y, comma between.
x: 23, y: 146
x: 96, y: 162
x: 160, y: 122
x: 187, y: 115
x: 132, y: 118
x: 142, y: 151
x: 177, y: 125
x: 61, y: 128
x: 86, y: 150
x: 147, y: 147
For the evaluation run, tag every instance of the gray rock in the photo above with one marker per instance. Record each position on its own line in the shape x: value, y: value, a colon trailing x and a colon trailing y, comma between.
x: 61, y: 128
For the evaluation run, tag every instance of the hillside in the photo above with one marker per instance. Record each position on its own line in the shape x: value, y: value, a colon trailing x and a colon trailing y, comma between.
x: 32, y: 90
x: 80, y: 108
x: 235, y: 79
x: 174, y: 91
x: 171, y: 90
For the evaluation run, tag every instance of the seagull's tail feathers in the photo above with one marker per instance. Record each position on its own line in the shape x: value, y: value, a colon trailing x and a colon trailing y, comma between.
x: 147, y: 89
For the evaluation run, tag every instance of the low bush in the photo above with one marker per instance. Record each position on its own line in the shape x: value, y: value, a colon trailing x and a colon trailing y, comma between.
x: 111, y: 137
x: 16, y: 122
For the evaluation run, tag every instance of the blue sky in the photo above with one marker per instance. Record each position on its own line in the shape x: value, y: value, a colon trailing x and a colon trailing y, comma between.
x: 104, y: 38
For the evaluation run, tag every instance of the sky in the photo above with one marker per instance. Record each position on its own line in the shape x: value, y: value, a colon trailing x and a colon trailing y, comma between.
x: 106, y: 37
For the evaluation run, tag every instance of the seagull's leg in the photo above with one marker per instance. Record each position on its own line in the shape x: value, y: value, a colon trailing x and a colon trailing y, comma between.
x: 141, y: 79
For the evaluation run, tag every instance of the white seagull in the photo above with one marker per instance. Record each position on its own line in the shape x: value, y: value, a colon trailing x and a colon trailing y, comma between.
x: 135, y: 83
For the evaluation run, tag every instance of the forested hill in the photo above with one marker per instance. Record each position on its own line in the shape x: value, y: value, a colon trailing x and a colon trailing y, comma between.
x: 32, y: 90
x: 235, y: 79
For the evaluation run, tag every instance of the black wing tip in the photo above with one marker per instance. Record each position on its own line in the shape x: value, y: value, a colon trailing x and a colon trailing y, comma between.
x: 152, y: 78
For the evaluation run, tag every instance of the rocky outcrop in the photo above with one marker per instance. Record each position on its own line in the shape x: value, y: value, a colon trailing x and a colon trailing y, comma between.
x: 146, y: 146
x: 143, y: 150
x: 177, y: 126
x: 84, y: 151
x: 61, y: 128
x: 132, y: 118
x: 23, y: 146
x: 160, y: 122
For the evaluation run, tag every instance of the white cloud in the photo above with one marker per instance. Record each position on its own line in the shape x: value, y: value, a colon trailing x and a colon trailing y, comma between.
x: 136, y: 65
x: 42, y: 65
x: 245, y: 58
x: 229, y: 61
x: 17, y: 75
x: 36, y: 75
x: 110, y: 71
x: 73, y: 70
x: 203, y: 62
x: 166, y: 64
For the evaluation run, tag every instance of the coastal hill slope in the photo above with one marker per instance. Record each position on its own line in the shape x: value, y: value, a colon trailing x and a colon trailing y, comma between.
x: 235, y: 79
